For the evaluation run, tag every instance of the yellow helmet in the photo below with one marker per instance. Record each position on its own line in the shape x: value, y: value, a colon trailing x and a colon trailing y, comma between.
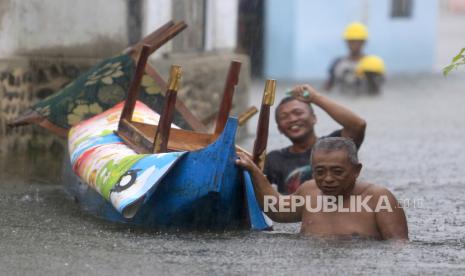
x: 356, y: 31
x: 370, y: 64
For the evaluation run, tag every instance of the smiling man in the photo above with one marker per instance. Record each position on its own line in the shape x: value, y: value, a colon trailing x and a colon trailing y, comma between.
x: 289, y: 167
x: 335, y: 203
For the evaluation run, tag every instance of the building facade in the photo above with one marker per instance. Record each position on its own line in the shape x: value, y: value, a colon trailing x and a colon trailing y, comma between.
x: 303, y: 37
x: 45, y: 44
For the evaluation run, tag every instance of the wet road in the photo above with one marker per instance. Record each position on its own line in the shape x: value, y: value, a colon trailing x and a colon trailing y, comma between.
x: 414, y: 145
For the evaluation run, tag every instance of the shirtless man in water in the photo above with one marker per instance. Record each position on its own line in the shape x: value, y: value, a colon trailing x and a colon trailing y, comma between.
x: 362, y: 208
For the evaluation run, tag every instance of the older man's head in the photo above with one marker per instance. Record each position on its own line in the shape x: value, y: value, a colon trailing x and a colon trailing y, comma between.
x: 335, y: 165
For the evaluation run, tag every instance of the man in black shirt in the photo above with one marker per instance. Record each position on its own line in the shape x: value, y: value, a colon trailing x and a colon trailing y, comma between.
x: 289, y: 167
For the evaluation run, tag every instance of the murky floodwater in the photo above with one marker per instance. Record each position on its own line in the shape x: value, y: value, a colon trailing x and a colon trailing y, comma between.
x: 415, y: 145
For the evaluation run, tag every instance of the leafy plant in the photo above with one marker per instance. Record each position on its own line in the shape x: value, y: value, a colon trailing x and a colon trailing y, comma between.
x: 457, y: 61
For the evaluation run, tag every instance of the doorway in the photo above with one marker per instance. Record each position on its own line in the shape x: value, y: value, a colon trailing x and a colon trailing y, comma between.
x: 250, y: 33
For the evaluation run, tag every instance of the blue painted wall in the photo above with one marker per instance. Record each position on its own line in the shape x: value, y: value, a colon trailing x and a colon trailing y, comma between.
x: 302, y: 37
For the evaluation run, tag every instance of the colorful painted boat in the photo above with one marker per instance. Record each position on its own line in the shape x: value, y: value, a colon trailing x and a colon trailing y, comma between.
x: 201, y: 189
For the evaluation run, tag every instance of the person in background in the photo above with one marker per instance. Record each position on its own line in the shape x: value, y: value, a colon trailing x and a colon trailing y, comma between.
x: 370, y: 72
x: 288, y: 167
x: 356, y: 73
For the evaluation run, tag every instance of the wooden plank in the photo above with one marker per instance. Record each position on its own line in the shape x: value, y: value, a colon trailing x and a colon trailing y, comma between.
x: 166, y: 36
x: 157, y: 39
x: 193, y: 122
x: 160, y: 141
x: 150, y: 39
x: 245, y: 116
x: 261, y: 140
x: 139, y: 137
x: 228, y: 93
x: 27, y: 118
x: 133, y: 92
x: 134, y: 137
x: 180, y: 139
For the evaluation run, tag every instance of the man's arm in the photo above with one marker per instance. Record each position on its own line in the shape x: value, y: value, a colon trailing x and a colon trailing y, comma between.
x: 263, y: 188
x: 391, y: 223
x: 353, y: 126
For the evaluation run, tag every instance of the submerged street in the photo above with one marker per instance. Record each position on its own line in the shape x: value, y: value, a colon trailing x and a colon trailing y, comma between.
x: 414, y: 145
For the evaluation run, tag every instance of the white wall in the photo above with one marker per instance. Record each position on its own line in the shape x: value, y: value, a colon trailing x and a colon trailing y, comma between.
x: 221, y: 29
x: 155, y: 14
x: 97, y: 28
x: 89, y: 28
x: 302, y: 37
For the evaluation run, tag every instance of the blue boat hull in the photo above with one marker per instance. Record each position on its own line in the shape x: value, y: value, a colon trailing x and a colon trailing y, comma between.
x: 204, y: 190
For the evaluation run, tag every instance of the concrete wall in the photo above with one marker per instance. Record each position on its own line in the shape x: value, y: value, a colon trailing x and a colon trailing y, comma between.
x: 407, y: 45
x: 154, y: 17
x: 98, y: 28
x: 44, y: 44
x: 84, y: 28
x: 303, y: 37
x: 23, y: 82
x: 221, y: 27
x: 220, y: 30
x: 203, y: 80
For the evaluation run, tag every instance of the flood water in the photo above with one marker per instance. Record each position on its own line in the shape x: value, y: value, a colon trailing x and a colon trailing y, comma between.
x: 414, y: 145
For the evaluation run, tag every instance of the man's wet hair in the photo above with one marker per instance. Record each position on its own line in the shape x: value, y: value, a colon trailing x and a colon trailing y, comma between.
x: 286, y: 100
x: 329, y: 144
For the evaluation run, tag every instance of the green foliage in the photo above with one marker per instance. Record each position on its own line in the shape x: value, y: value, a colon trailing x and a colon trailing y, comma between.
x: 458, y: 60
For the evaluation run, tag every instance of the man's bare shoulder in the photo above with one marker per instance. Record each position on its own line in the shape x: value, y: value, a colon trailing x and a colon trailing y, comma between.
x: 366, y: 188
x: 309, y: 187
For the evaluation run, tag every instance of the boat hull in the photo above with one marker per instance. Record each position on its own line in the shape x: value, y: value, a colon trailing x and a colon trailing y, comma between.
x: 203, y: 190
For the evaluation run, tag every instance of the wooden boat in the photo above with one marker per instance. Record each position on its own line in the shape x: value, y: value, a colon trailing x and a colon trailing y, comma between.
x: 136, y: 167
x: 203, y: 189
